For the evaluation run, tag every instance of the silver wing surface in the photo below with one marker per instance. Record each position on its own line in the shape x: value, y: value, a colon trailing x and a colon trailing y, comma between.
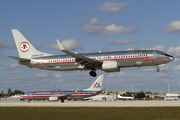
x: 82, y: 60
x: 67, y: 95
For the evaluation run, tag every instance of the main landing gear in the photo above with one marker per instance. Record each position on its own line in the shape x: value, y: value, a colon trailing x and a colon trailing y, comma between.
x: 62, y: 100
x: 93, y: 72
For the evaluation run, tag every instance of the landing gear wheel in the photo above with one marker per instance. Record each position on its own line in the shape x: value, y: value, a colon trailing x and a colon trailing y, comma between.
x: 158, y: 70
x: 62, y: 100
x: 93, y: 73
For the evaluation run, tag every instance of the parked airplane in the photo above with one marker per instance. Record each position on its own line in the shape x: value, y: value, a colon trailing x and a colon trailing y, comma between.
x: 95, y: 89
x: 105, y: 61
x: 124, y: 98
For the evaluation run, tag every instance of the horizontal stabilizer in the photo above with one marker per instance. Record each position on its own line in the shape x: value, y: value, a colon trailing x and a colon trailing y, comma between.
x: 19, y: 59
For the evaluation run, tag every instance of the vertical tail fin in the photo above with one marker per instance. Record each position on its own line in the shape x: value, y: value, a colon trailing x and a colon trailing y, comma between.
x: 24, y: 47
x: 97, y: 85
x: 119, y: 96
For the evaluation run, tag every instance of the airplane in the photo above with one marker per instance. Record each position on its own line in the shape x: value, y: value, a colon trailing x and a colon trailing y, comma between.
x: 125, y: 98
x: 95, y: 89
x: 105, y: 61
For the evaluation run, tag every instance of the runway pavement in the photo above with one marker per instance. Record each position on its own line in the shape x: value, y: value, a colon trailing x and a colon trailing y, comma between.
x: 159, y: 103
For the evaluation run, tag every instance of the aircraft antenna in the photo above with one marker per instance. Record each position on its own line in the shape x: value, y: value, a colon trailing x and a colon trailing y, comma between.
x: 132, y: 88
x: 54, y: 87
x: 104, y: 88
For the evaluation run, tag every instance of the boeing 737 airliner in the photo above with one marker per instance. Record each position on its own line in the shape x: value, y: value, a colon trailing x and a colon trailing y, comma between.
x: 105, y: 61
x: 95, y: 89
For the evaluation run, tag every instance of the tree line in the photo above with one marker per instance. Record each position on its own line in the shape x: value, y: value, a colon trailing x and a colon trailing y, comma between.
x: 10, y: 93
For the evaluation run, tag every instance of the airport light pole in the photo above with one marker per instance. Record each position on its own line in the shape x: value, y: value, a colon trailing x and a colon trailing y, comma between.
x: 168, y: 88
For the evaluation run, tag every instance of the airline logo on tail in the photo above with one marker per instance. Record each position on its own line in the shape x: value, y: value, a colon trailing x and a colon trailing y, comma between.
x: 96, y: 85
x: 24, y: 46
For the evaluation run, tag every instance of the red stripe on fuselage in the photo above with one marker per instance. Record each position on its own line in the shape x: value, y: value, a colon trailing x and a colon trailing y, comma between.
x: 53, y: 95
x: 145, y: 59
x: 40, y: 96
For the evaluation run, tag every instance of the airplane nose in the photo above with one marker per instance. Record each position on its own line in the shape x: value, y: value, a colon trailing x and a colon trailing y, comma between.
x: 171, y: 58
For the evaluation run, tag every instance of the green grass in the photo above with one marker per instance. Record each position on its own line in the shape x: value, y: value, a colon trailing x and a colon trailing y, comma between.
x: 89, y: 113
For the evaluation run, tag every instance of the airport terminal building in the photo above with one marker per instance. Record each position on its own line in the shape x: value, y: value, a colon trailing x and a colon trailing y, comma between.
x: 172, y: 96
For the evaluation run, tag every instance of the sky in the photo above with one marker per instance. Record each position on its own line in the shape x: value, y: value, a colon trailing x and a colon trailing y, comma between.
x: 90, y: 26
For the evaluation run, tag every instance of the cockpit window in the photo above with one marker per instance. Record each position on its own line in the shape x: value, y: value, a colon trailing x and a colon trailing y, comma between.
x: 167, y: 55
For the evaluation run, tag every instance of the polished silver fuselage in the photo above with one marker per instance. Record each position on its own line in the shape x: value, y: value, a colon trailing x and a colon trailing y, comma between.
x: 136, y: 58
x: 44, y: 95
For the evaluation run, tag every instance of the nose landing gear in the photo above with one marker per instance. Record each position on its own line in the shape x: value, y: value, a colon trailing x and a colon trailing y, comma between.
x: 160, y: 65
x: 157, y: 69
x: 62, y: 100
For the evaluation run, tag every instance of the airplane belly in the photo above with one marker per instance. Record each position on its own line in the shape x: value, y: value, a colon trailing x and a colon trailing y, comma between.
x: 60, y: 67
x: 140, y: 62
x: 153, y: 62
x: 130, y: 63
x: 35, y: 98
x: 79, y: 97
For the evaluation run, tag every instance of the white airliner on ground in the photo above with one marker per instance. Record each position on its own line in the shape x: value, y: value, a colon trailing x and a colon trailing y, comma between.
x: 95, y: 89
x: 125, y: 98
x: 105, y: 61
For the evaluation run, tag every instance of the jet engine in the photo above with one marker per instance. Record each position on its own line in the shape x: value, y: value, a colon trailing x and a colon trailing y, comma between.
x: 53, y: 99
x: 110, y: 66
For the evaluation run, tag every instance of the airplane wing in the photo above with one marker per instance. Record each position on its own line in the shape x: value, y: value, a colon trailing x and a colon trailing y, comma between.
x: 67, y: 95
x: 84, y: 61
x: 98, y: 92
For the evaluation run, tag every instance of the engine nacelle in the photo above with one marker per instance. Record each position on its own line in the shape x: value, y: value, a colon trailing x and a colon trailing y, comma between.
x: 53, y: 99
x: 110, y: 66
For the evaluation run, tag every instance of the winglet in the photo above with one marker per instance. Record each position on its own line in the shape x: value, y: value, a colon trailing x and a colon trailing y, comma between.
x: 76, y: 91
x: 60, y: 45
